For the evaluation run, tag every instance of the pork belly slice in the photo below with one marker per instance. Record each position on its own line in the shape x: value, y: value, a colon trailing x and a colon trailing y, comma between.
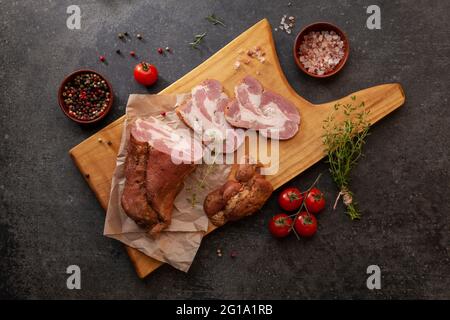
x: 180, y: 143
x: 258, y: 109
x: 152, y: 182
x: 204, y: 113
x: 243, y: 194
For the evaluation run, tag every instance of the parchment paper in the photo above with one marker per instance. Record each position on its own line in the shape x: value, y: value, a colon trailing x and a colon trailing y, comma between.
x: 178, y: 244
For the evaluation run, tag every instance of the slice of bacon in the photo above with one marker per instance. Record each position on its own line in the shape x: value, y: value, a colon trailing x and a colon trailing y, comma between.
x: 179, y: 143
x: 204, y: 113
x: 259, y: 109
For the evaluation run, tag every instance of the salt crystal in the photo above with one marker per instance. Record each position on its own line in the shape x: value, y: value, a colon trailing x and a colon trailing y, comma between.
x: 287, y: 23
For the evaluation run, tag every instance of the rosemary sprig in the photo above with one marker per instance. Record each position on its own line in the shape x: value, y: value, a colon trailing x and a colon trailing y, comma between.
x: 344, y: 142
x: 214, y: 20
x: 198, y: 38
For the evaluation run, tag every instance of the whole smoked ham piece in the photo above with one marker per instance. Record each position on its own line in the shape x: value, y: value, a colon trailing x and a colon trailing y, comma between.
x: 152, y: 183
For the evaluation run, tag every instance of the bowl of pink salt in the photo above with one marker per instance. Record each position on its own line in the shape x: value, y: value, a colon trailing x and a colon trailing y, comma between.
x: 321, y: 49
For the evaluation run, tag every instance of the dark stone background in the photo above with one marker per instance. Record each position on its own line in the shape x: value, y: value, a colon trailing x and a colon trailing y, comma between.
x: 50, y: 219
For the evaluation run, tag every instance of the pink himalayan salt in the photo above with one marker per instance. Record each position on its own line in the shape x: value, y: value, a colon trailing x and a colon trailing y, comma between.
x: 321, y: 52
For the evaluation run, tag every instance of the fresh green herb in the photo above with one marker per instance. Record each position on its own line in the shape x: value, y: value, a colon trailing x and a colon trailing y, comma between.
x: 197, y: 40
x: 214, y: 20
x: 194, y: 200
x: 344, y: 141
x: 210, y: 168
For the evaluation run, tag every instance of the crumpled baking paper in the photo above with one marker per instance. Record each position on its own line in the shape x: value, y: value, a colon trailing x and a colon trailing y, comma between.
x: 178, y: 244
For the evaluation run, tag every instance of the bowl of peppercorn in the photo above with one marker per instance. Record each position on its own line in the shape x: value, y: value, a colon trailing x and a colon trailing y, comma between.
x: 85, y: 96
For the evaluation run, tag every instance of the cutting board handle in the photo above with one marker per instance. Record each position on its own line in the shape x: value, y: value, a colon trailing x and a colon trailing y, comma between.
x: 380, y: 100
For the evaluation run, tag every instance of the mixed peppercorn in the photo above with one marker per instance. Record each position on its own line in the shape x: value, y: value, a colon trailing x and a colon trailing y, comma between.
x: 86, y: 96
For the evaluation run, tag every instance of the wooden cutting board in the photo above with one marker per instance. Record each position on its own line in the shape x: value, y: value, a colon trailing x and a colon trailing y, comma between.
x: 296, y: 155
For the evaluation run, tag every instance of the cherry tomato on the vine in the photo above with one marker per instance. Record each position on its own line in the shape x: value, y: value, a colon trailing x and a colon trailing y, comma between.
x: 290, y: 199
x: 315, y: 201
x: 305, y: 224
x: 280, y: 225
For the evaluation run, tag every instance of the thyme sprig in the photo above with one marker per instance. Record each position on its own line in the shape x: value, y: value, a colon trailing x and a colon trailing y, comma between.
x: 211, y: 168
x: 198, y: 38
x: 344, y: 141
x: 214, y: 20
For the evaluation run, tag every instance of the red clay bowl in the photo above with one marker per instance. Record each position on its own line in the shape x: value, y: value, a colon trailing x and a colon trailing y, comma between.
x: 65, y: 109
x: 321, y: 26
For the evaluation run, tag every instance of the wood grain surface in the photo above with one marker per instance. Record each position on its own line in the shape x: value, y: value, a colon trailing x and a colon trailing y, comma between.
x: 296, y: 155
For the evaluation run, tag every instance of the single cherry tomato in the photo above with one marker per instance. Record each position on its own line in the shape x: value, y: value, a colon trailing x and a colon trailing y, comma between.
x: 290, y: 199
x: 315, y: 201
x: 280, y: 225
x: 305, y: 224
x: 145, y: 73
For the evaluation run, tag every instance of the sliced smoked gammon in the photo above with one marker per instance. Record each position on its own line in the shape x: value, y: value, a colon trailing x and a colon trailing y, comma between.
x: 204, y: 113
x: 263, y: 110
x: 180, y: 143
x: 152, y: 182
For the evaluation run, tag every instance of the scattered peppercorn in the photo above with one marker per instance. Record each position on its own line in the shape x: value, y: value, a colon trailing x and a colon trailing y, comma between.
x: 86, y: 96
x: 109, y: 143
x: 125, y: 34
x: 132, y: 53
x: 102, y: 58
x: 120, y: 35
x: 87, y: 175
x: 100, y: 140
x: 118, y: 51
x: 168, y: 49
x: 160, y: 50
x: 139, y: 36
